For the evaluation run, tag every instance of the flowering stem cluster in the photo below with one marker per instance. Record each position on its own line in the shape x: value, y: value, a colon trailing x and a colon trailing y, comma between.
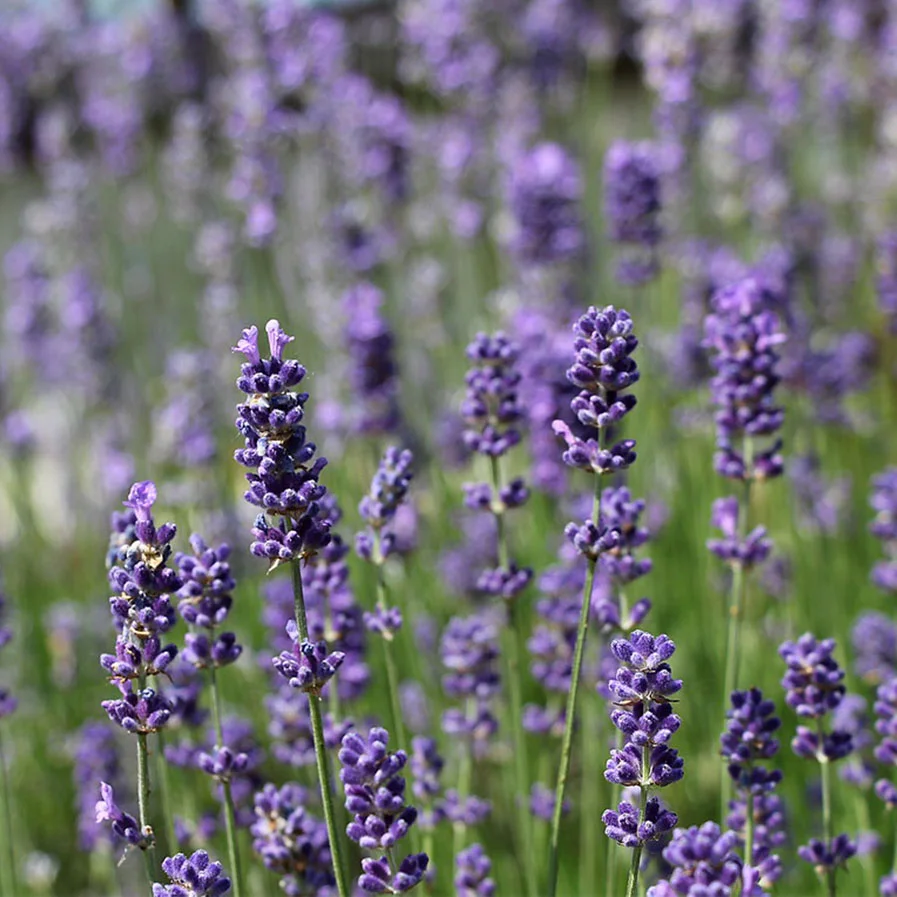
x: 603, y: 370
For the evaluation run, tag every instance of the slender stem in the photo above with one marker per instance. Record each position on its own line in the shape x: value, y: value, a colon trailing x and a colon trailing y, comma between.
x: 733, y: 640
x: 10, y: 885
x: 635, y: 866
x: 748, y: 828
x: 567, y: 743
x: 392, y: 675
x: 826, y: 769
x: 632, y: 881
x: 512, y: 673
x: 165, y: 794
x: 230, y: 816
x: 143, y: 791
x: 465, y: 770
x: 317, y: 731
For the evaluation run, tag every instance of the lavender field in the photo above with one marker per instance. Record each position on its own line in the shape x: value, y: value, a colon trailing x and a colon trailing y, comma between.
x: 449, y: 447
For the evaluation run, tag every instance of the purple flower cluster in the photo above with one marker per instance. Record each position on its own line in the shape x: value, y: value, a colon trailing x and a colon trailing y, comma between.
x: 632, y: 208
x: 193, y: 876
x: 747, y: 741
x: 375, y: 795
x: 746, y: 552
x: 205, y: 602
x: 886, y: 727
x: 285, y: 482
x: 884, y: 527
x: 472, y: 878
x: 886, y: 277
x: 308, y: 667
x: 290, y: 841
x: 373, y: 375
x: 142, y: 610
x: 389, y: 489
x: 641, y: 690
x: 814, y: 688
x: 123, y: 825
x: 743, y: 332
x: 704, y: 861
x: 544, y: 192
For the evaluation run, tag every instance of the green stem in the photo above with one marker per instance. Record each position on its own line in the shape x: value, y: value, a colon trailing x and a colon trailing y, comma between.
x: 465, y: 770
x: 392, y: 675
x: 317, y: 731
x: 512, y: 667
x: 826, y: 769
x: 143, y: 791
x: 567, y: 743
x: 165, y: 794
x: 748, y: 829
x: 632, y: 881
x: 733, y: 640
x: 10, y: 885
x: 635, y: 866
x: 230, y: 816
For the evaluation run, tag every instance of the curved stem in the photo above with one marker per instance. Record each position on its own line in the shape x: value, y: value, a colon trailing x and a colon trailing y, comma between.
x: 143, y: 791
x: 230, y: 815
x: 317, y: 731
x: 567, y: 743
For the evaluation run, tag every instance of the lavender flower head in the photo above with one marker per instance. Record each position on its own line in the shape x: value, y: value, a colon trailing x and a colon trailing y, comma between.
x: 632, y: 208
x: 375, y: 795
x: 544, y: 191
x: 884, y: 527
x: 748, y: 551
x: 641, y: 690
x: 704, y: 861
x: 193, y: 876
x: 284, y: 484
x: 373, y: 375
x: 389, y: 489
x: 886, y: 727
x: 603, y: 370
x: 124, y: 826
x: 472, y: 878
x: 743, y: 332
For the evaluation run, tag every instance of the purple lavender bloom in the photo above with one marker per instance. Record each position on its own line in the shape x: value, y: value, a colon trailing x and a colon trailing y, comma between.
x: 375, y: 795
x: 603, y: 370
x: 743, y: 333
x: 826, y: 859
x: 886, y: 726
x: 7, y: 702
x: 285, y: 482
x: 632, y: 208
x: 426, y: 769
x: 626, y: 826
x: 290, y: 728
x: 887, y: 887
x: 290, y: 841
x: 814, y: 681
x: 194, y: 876
x: 373, y: 376
x: 140, y: 712
x: 640, y: 690
x: 308, y: 667
x: 96, y: 759
x: 750, y: 551
x: 123, y: 825
x: 389, y: 489
x: 544, y: 192
x: 874, y: 639
x: 884, y: 527
x: 886, y: 277
x: 748, y: 738
x: 468, y: 811
x: 769, y: 833
x: 704, y: 861
x: 472, y: 878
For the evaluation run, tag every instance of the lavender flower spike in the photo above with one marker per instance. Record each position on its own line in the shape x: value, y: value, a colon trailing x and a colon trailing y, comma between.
x: 194, y: 876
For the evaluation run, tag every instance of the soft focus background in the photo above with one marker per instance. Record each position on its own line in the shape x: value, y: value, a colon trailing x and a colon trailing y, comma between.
x: 176, y: 172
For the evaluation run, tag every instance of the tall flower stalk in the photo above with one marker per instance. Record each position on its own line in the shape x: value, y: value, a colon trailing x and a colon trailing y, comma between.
x: 492, y: 413
x: 142, y: 611
x: 378, y: 508
x: 283, y: 484
x: 8, y: 704
x: 603, y: 370
x: 743, y: 333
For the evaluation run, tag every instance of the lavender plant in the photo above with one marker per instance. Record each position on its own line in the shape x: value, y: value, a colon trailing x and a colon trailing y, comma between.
x: 285, y: 485
x: 603, y: 370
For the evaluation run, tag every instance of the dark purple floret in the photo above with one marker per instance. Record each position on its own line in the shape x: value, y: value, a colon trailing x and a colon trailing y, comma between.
x: 629, y: 828
x: 123, y: 825
x: 309, y: 666
x: 592, y: 541
x: 749, y: 738
x: 491, y: 408
x: 426, y: 768
x: 505, y: 583
x: 621, y: 513
x: 814, y: 681
x: 138, y: 712
x: 194, y: 876
x: 284, y: 484
x: 544, y: 191
x: 632, y: 208
x: 704, y: 861
x: 377, y: 877
x: 472, y: 876
x: 887, y: 886
x: 290, y: 841
x: 389, y: 489
x: 373, y: 375
x: 743, y: 332
x: 823, y: 858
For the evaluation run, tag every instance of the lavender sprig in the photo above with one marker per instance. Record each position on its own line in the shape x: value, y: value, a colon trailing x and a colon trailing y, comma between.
x: 285, y: 486
x: 7, y: 706
x: 603, y: 370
